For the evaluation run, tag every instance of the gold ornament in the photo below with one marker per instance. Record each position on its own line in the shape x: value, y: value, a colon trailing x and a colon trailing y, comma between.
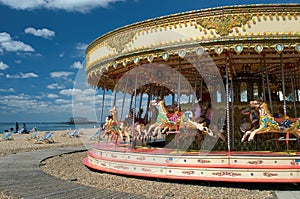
x: 224, y: 25
x: 119, y: 42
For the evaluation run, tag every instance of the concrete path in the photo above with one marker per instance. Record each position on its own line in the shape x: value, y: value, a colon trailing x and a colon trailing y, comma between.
x: 288, y: 194
x: 20, y: 174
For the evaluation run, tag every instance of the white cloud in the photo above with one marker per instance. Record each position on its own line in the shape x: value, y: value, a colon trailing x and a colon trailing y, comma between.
x: 3, y: 66
x: 60, y: 74
x: 63, y: 101
x: 78, y: 92
x: 22, y: 102
x: 55, y: 86
x: 68, y: 92
x: 77, y: 65
x: 7, y: 90
x: 52, y: 96
x: 81, y: 46
x: 22, y: 76
x: 8, y: 44
x: 45, y: 33
x: 82, y: 6
x: 62, y: 54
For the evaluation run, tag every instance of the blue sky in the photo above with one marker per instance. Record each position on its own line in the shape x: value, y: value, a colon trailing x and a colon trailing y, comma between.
x: 42, y: 50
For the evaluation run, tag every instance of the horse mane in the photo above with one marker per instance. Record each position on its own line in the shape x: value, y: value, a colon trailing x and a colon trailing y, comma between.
x: 115, y: 114
x: 163, y: 106
x: 266, y: 108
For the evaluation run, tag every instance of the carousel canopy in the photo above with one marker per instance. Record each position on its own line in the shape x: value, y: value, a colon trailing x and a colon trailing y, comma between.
x: 249, y: 39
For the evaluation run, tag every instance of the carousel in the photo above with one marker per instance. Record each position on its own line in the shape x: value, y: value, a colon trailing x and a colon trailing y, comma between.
x: 210, y: 94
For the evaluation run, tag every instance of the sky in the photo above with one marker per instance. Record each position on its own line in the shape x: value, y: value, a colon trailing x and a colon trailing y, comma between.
x: 42, y: 51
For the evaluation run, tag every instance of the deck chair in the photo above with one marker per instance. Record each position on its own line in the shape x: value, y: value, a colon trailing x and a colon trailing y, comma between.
x: 6, y: 136
x: 34, y: 135
x: 75, y: 133
x: 46, y: 138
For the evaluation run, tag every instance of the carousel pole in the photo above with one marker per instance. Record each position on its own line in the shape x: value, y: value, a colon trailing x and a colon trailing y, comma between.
x: 268, y: 85
x: 148, y: 103
x: 178, y: 92
x: 161, y: 92
x: 124, y: 96
x: 173, y: 98
x: 232, y: 111
x: 178, y: 85
x: 195, y: 90
x: 140, y: 105
x: 101, y: 115
x: 284, y: 100
x: 227, y: 108
x: 115, y: 98
x: 131, y: 99
x: 293, y: 92
x: 262, y: 79
x: 189, y: 100
x: 133, y: 119
x: 147, y: 109
x: 283, y: 86
x: 201, y: 90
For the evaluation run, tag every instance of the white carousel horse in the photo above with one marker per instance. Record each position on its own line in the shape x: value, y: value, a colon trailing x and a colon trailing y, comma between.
x: 269, y: 124
x: 173, y: 121
x: 112, y: 128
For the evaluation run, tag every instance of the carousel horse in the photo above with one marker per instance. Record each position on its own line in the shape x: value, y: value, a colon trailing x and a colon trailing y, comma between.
x: 172, y: 121
x: 270, y: 124
x: 126, y: 126
x: 249, y: 119
x: 112, y: 128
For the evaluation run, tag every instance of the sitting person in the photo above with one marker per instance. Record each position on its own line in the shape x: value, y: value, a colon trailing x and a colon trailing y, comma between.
x: 208, y: 115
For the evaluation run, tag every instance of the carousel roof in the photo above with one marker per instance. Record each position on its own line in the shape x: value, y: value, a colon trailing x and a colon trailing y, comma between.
x: 250, y: 39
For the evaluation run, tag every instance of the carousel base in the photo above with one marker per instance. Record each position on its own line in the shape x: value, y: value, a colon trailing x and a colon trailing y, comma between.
x: 164, y: 163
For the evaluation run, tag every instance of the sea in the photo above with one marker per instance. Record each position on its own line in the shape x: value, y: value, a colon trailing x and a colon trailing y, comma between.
x: 46, y: 126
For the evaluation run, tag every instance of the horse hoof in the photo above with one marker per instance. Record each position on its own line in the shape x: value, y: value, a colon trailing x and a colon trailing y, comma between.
x: 210, y: 133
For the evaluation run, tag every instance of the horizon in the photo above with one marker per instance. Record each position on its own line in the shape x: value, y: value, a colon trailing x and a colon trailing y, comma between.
x: 42, y: 52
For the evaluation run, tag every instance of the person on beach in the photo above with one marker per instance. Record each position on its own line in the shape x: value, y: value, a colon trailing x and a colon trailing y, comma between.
x: 17, y: 127
x: 24, y: 128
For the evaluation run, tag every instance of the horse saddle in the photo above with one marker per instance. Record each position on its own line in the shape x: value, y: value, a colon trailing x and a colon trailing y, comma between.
x: 281, y: 120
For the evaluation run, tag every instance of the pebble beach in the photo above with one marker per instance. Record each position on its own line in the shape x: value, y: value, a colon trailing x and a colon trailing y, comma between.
x: 69, y: 167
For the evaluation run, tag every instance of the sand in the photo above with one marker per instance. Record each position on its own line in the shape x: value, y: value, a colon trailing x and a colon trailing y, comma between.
x: 20, y: 142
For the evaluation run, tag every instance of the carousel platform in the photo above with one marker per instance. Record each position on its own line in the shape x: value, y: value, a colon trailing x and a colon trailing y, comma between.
x: 166, y: 163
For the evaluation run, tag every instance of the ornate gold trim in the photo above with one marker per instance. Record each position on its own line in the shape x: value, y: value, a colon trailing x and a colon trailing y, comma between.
x: 118, y: 42
x: 224, y: 25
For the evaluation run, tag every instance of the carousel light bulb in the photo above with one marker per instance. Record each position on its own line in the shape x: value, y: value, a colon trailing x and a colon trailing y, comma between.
x: 238, y: 49
x: 200, y: 51
x: 279, y: 48
x: 297, y: 47
x: 136, y: 60
x: 150, y: 58
x: 182, y: 53
x: 219, y: 49
x: 258, y: 48
x: 165, y: 56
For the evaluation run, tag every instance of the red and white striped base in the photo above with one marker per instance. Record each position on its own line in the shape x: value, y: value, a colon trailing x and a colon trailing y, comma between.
x: 212, y: 166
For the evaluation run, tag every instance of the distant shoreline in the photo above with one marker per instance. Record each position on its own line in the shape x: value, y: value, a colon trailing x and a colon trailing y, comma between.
x: 79, y: 123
